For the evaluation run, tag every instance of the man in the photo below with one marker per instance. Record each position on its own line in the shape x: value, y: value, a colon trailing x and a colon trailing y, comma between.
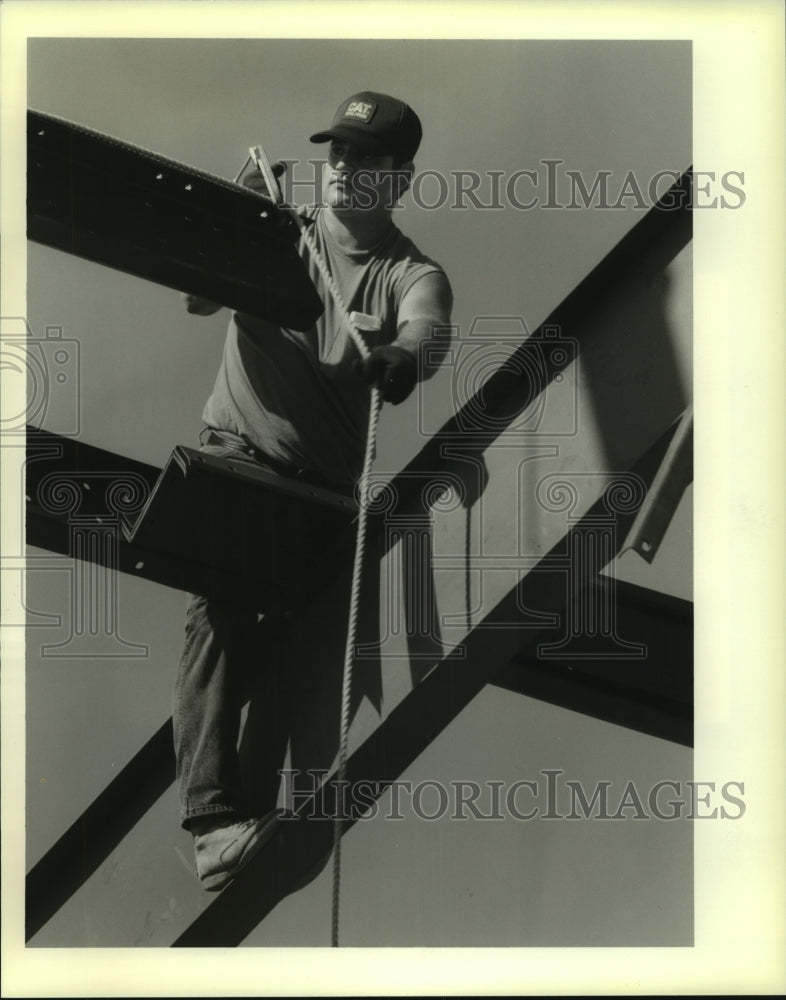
x: 298, y: 403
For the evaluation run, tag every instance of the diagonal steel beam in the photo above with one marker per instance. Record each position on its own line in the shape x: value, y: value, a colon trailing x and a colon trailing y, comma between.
x: 406, y: 733
x: 69, y: 863
x: 663, y: 232
x: 409, y: 729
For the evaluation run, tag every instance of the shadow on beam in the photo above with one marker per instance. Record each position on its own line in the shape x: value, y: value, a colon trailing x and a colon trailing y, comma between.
x: 653, y: 242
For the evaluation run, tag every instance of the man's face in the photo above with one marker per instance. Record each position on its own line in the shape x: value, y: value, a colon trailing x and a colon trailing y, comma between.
x: 357, y: 180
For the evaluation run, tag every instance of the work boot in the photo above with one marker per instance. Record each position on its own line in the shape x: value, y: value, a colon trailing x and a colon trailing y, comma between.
x: 222, y: 849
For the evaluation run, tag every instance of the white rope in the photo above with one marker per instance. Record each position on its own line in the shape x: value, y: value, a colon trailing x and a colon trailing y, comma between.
x: 261, y: 160
x: 349, y: 655
x: 357, y: 573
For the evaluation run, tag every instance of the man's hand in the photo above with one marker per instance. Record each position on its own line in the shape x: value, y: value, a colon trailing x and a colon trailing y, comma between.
x: 256, y: 182
x: 393, y: 370
x: 198, y: 306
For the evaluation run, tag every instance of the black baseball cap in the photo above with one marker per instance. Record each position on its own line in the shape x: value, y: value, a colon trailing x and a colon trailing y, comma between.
x: 377, y: 123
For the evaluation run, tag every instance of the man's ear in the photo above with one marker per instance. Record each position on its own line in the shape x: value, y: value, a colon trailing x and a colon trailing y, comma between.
x: 404, y: 174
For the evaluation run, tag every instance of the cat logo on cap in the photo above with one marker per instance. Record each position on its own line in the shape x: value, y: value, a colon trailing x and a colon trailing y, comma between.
x: 361, y: 111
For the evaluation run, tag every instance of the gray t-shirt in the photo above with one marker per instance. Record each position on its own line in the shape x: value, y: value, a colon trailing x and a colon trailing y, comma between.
x: 296, y: 396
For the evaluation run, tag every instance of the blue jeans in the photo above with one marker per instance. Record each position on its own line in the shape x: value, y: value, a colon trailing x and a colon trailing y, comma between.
x: 210, y: 691
x: 220, y: 663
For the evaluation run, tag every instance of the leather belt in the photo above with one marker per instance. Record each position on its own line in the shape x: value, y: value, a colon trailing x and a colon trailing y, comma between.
x: 226, y: 439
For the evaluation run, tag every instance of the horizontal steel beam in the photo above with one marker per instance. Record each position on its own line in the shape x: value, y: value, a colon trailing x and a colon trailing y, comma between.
x: 203, y: 525
x: 651, y: 694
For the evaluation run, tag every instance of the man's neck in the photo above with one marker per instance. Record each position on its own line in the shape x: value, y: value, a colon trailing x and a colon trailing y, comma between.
x: 357, y: 230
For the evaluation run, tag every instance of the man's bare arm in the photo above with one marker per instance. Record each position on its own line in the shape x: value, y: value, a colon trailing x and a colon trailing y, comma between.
x: 424, y: 321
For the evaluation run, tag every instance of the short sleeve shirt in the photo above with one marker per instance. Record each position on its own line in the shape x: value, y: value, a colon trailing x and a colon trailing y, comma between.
x: 296, y: 395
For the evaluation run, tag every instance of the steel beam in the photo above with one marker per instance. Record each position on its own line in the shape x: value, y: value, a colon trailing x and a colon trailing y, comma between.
x: 382, y: 757
x: 110, y: 202
x: 204, y: 524
x: 492, y: 640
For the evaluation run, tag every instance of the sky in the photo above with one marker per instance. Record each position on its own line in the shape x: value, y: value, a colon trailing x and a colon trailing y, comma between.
x: 146, y: 367
x: 203, y: 102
